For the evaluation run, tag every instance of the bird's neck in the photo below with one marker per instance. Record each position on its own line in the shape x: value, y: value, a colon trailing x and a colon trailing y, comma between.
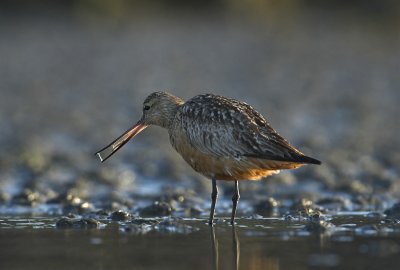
x: 168, y: 113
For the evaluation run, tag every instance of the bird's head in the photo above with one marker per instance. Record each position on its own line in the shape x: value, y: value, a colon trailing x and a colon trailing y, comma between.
x: 159, y: 108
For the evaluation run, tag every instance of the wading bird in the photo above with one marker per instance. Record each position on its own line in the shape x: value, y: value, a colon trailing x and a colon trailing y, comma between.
x: 220, y: 138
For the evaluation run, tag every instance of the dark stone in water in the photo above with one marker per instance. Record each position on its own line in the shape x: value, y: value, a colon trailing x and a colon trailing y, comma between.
x: 266, y: 207
x: 64, y: 223
x: 304, y: 207
x: 71, y: 215
x: 120, y: 216
x: 84, y: 223
x: 87, y: 223
x: 316, y: 224
x: 140, y: 226
x: 157, y: 209
x: 394, y: 211
x: 301, y: 207
x: 142, y: 221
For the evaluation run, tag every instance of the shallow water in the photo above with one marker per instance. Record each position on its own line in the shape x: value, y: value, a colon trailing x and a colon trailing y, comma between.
x: 364, y: 241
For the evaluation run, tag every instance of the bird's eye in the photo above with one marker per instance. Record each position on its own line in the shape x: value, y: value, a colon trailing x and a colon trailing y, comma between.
x: 146, y: 107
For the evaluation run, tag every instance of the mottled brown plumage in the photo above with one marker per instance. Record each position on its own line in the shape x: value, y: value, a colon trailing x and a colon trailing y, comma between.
x: 219, y: 137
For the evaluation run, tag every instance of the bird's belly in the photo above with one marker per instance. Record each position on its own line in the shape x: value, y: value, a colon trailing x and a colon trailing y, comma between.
x: 228, y: 168
x: 225, y: 168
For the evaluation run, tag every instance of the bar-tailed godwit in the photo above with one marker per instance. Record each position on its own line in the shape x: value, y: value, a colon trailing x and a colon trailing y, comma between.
x: 220, y: 138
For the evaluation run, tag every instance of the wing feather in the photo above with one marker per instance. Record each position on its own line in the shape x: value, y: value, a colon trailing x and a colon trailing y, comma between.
x: 225, y: 127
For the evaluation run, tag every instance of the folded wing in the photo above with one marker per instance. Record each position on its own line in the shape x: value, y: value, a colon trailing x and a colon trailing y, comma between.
x: 225, y: 127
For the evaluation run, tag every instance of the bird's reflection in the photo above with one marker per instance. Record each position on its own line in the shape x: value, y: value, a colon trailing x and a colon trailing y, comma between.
x: 214, y: 249
x: 235, y: 248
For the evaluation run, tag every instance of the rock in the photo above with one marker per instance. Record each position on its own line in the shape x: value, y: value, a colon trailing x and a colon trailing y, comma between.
x: 87, y: 223
x: 142, y: 221
x: 64, y: 223
x: 266, y: 207
x: 157, y: 209
x: 84, y: 223
x: 120, y: 216
x: 140, y: 226
x: 304, y: 207
x: 316, y: 224
x: 394, y: 211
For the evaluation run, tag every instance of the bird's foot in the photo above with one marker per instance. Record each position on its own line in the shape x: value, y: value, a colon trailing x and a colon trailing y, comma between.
x: 233, y: 223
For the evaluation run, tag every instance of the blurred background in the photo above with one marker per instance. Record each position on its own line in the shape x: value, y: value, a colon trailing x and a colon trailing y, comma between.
x: 74, y: 74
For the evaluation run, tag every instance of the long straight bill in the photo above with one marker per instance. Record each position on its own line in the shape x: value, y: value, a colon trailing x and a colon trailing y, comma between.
x: 110, y: 149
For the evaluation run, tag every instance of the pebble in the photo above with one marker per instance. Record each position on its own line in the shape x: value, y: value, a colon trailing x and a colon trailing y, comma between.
x: 120, y: 216
x: 394, y: 211
x: 84, y: 223
x: 157, y: 209
x: 266, y: 207
x: 316, y: 224
x: 303, y: 207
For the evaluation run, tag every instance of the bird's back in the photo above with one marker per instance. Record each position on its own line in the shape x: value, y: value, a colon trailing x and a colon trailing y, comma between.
x: 228, y: 139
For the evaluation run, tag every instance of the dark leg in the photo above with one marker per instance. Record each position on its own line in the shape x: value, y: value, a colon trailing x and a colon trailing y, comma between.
x: 214, y: 196
x: 235, y: 200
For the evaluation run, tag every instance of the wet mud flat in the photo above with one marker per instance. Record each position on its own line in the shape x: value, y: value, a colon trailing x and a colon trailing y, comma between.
x: 73, y: 82
x: 143, y: 223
